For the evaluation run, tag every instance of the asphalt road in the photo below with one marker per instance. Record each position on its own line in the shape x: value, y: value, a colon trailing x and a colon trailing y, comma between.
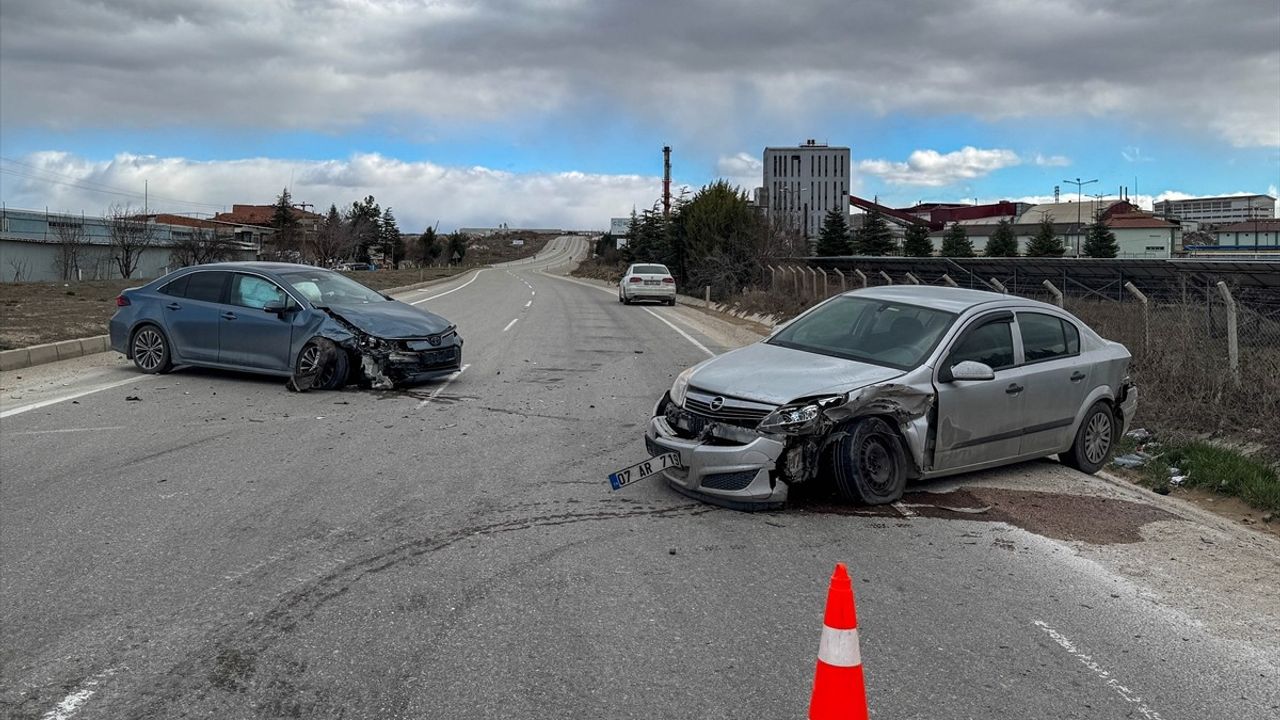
x: 223, y: 548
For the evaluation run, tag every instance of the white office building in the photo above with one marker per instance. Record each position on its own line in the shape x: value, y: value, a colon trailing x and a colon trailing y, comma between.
x: 1218, y: 210
x: 802, y: 183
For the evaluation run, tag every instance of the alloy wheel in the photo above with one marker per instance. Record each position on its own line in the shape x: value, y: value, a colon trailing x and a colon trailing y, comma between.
x: 148, y: 349
x: 1097, y: 437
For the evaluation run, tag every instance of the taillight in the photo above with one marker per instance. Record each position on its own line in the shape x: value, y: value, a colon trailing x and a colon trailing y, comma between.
x: 669, y: 280
x: 635, y: 279
x: 122, y: 301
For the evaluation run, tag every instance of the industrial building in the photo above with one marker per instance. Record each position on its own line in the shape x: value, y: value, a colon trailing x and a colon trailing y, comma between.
x: 1218, y: 210
x: 802, y: 183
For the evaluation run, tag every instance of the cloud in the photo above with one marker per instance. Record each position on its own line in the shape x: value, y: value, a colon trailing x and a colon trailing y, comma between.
x: 933, y: 169
x: 1051, y: 160
x: 1134, y: 154
x: 709, y: 71
x: 421, y: 193
x: 742, y: 169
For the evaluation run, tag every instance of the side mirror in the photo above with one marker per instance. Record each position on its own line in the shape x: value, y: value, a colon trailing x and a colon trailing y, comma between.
x: 971, y: 370
x: 275, y: 307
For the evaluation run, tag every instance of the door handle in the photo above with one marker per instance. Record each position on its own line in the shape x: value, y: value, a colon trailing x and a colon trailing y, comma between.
x: 228, y: 316
x: 1077, y: 376
x: 1014, y: 389
x: 174, y: 306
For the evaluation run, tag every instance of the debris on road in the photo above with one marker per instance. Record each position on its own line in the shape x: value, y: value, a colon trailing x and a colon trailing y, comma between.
x: 132, y: 398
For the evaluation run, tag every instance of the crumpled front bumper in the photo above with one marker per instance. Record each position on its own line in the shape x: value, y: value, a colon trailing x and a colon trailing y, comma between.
x: 735, y: 476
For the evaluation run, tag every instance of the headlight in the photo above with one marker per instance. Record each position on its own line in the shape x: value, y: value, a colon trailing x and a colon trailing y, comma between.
x: 680, y: 386
x: 789, y: 419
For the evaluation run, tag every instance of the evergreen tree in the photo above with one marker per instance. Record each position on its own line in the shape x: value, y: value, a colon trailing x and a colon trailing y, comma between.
x: 875, y: 237
x: 956, y: 242
x: 457, y: 247
x: 834, y: 238
x: 365, y: 224
x: 392, y: 243
x: 288, y: 233
x: 1003, y: 243
x: 1046, y: 243
x: 1100, y: 242
x: 917, y: 242
x: 429, y: 247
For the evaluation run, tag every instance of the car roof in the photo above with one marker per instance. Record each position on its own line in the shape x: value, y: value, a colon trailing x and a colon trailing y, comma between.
x: 267, y: 267
x: 954, y: 300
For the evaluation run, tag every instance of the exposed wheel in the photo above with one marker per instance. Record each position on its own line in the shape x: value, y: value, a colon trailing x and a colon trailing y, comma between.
x: 626, y: 300
x: 321, y: 365
x: 1094, y: 441
x: 869, y: 463
x: 150, y: 350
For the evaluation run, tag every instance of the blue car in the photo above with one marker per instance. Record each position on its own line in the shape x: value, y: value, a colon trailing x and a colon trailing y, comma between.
x: 315, y: 326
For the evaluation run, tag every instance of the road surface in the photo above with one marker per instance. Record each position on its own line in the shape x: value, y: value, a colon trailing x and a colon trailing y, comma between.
x: 222, y: 548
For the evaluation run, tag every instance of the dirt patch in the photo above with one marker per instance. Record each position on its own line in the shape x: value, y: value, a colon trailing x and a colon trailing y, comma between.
x: 1087, y: 518
x: 36, y: 313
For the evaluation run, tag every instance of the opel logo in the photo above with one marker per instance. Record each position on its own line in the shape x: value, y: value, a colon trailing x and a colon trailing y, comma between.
x: 716, y: 404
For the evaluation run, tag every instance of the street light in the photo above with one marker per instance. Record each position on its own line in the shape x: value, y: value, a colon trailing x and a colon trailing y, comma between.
x: 1079, y: 197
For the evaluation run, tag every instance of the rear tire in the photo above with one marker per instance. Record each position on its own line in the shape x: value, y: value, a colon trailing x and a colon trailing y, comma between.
x: 869, y: 463
x: 150, y: 350
x: 1094, y: 441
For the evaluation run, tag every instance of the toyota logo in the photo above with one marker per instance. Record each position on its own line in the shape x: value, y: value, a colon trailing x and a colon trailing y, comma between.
x: 434, y: 340
x: 716, y: 404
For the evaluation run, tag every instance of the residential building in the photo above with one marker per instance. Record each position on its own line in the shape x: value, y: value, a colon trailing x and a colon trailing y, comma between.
x: 1218, y: 210
x: 802, y: 183
x: 1138, y: 234
x: 252, y: 219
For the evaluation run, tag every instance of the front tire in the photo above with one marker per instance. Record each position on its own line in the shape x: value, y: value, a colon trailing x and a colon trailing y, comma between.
x: 321, y: 365
x: 150, y: 350
x: 1094, y: 441
x: 869, y: 463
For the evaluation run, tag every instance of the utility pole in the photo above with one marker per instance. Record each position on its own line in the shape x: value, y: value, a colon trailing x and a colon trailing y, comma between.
x: 1079, y: 198
x: 1097, y: 207
x: 666, y: 181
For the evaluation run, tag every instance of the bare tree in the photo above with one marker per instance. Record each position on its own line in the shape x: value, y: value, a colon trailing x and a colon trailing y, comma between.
x: 332, y: 240
x: 19, y: 268
x: 202, y: 245
x: 71, y: 241
x: 130, y: 235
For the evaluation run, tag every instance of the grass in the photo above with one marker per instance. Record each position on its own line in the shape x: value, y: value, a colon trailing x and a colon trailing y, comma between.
x: 1222, y: 470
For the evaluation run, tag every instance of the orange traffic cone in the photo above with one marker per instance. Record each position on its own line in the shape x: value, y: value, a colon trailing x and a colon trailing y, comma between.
x: 838, y: 691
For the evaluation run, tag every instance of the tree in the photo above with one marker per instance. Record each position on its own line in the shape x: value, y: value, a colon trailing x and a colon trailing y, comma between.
x: 1101, y: 242
x: 457, y: 248
x: 364, y: 225
x: 1003, y: 243
x: 71, y: 239
x: 917, y: 242
x: 875, y: 237
x: 200, y: 246
x: 429, y: 247
x: 1046, y: 242
x: 331, y: 241
x: 392, y: 243
x: 129, y: 234
x: 956, y: 242
x: 284, y: 219
x: 715, y: 239
x: 833, y: 241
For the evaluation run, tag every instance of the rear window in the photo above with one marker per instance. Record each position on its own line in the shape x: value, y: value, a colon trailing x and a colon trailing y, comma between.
x: 1045, y: 337
x: 177, y: 288
x: 650, y: 270
x: 206, y: 286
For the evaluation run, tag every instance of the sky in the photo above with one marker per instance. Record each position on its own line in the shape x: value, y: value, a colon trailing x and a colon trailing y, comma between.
x: 553, y: 113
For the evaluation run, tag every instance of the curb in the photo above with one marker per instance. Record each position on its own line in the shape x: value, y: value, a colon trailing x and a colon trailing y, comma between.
x: 52, y: 352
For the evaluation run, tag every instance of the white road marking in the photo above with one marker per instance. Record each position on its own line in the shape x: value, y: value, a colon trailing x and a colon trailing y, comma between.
x: 68, y: 430
x: 74, y: 701
x: 683, y: 334
x: 54, y: 401
x: 435, y: 393
x: 508, y: 327
x: 1110, y: 681
x: 433, y: 297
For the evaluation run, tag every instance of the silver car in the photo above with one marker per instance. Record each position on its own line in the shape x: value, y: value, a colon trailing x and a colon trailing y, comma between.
x: 886, y: 385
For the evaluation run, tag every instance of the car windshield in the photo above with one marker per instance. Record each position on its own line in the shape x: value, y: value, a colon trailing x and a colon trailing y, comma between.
x: 871, y: 331
x: 325, y: 287
x: 650, y: 270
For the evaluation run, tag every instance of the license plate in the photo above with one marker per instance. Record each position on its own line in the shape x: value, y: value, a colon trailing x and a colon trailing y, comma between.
x: 652, y: 282
x: 640, y: 471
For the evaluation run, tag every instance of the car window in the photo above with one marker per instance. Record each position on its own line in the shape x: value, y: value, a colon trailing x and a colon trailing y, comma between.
x: 649, y: 270
x: 206, y: 286
x: 1045, y: 337
x: 990, y: 344
x: 255, y: 292
x: 324, y: 287
x: 177, y: 288
x: 873, y: 331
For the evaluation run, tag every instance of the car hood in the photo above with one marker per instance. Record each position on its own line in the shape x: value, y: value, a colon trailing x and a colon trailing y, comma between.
x: 391, y: 320
x: 779, y: 375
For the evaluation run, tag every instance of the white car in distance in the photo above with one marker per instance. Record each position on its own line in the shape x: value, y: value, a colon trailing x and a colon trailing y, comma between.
x: 647, y: 281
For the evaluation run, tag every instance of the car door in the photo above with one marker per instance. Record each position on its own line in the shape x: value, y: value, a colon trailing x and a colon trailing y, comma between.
x: 980, y: 421
x: 191, y: 314
x: 1056, y: 381
x: 252, y: 337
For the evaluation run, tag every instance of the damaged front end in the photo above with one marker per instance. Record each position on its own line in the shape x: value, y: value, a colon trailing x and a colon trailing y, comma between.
x: 744, y: 454
x: 387, y: 362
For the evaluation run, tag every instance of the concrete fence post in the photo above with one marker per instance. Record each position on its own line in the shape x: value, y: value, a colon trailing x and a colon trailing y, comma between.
x: 913, y: 279
x: 1053, y: 290
x: 707, y: 296
x: 813, y: 284
x: 861, y: 276
x: 773, y: 277
x: 824, y: 283
x: 887, y: 279
x: 1146, y: 315
x: 1233, y: 330
x: 999, y: 286
x: 843, y: 287
x: 949, y: 280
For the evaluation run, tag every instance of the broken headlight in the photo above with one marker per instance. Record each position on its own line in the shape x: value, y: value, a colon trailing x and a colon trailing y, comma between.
x: 797, y: 418
x: 680, y: 387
